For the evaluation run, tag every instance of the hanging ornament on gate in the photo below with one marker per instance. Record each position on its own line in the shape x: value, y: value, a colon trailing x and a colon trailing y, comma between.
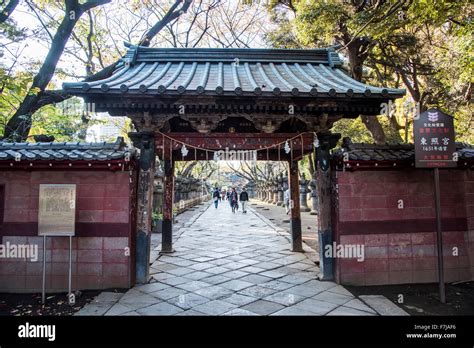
x: 287, y: 147
x: 316, y: 141
x: 184, y: 150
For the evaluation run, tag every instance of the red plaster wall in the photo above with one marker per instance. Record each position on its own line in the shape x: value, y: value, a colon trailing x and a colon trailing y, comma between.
x: 400, y: 244
x: 100, y: 246
x: 469, y: 235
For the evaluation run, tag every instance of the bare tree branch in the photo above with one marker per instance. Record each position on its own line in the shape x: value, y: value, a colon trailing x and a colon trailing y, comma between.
x: 171, y: 15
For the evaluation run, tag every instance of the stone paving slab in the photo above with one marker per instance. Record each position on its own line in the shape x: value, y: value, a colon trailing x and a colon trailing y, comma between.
x: 188, y: 300
x: 236, y: 264
x: 359, y: 305
x: 315, y: 306
x: 382, y: 305
x: 240, y: 312
x: 276, y: 214
x: 343, y: 311
x: 215, y: 307
x: 93, y: 309
x: 263, y: 307
x: 162, y: 308
x: 118, y: 309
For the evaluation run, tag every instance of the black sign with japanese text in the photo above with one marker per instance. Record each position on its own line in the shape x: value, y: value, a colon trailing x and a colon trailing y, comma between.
x: 434, y: 140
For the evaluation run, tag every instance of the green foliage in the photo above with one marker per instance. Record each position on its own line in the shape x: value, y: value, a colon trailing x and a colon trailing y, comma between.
x: 13, y: 88
x: 11, y: 31
x: 317, y: 22
x: 354, y: 129
x: 156, y: 216
x: 66, y: 121
x: 284, y: 36
x: 425, y: 46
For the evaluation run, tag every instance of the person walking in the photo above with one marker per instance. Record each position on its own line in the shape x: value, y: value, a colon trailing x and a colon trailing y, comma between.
x: 244, y: 197
x: 216, y: 196
x: 234, y: 198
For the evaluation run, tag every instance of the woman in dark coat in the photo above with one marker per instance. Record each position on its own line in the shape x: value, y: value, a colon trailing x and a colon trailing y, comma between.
x: 234, y: 198
x: 216, y: 197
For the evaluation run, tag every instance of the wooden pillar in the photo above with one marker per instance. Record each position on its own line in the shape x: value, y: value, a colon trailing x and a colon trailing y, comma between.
x: 327, y: 141
x: 296, y: 236
x: 168, y: 198
x: 145, y: 141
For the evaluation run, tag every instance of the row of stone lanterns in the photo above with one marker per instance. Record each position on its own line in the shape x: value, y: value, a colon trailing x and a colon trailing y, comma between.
x: 187, y: 188
x: 188, y: 192
x: 273, y: 192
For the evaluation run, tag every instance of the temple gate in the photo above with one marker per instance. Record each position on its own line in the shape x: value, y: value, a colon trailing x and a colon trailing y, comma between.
x: 189, y: 104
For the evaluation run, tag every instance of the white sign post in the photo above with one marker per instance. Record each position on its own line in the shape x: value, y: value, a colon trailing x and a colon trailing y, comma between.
x: 57, y: 217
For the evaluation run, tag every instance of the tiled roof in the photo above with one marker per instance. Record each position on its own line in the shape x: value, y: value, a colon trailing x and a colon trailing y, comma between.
x: 56, y: 151
x: 251, y: 72
x: 359, y: 152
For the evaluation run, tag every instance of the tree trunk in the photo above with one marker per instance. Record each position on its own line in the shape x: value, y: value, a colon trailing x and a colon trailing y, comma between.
x: 356, y: 62
x: 375, y: 128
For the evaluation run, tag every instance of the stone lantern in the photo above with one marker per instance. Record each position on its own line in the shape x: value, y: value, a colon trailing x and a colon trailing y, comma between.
x: 304, y: 193
x: 251, y: 189
x: 280, y: 192
x: 275, y: 191
x: 177, y: 189
x: 285, y: 187
x: 268, y: 192
x: 314, y: 197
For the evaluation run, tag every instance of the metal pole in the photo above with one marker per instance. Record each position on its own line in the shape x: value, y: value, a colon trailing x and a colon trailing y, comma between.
x: 70, y: 270
x: 43, y: 289
x: 439, y: 238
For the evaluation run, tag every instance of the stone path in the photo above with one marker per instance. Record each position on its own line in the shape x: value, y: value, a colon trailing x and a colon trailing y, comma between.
x: 232, y: 264
x: 277, y: 215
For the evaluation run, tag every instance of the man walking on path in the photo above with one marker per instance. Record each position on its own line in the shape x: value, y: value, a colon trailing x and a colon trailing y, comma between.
x: 244, y: 197
x: 216, y: 196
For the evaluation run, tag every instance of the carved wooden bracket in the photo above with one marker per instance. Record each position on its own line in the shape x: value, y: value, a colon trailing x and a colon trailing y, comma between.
x: 203, y: 124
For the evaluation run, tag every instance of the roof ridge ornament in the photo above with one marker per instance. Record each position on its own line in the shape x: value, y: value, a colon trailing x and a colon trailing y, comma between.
x: 330, y: 61
x: 133, y: 49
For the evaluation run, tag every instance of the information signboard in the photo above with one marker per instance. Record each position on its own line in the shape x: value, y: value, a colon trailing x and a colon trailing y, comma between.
x: 57, y: 210
x: 434, y: 140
